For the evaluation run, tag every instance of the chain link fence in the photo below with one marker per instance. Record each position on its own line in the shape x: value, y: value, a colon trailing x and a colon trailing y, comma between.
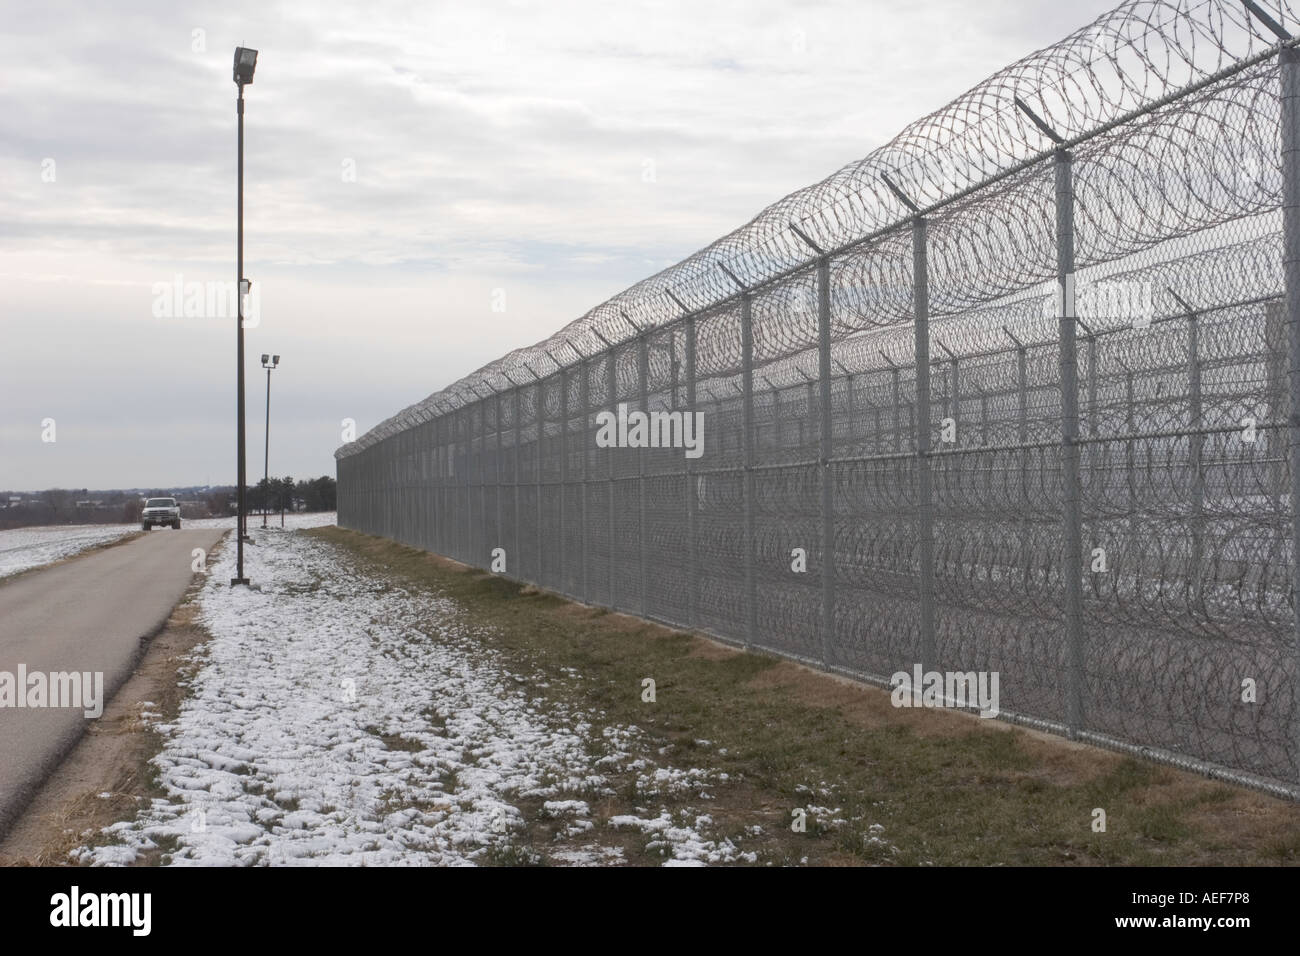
x: 1012, y: 394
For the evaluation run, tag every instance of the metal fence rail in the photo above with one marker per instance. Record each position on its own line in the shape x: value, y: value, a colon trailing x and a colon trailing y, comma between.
x: 1012, y: 394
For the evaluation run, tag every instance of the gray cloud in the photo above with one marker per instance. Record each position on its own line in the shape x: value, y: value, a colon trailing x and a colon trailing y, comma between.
x: 495, y: 146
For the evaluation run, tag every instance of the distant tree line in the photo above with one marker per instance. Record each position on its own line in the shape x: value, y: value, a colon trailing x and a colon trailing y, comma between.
x: 81, y: 506
x: 67, y: 506
x: 284, y: 494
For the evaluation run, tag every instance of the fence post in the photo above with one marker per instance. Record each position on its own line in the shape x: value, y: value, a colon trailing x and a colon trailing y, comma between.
x: 673, y: 371
x: 537, y: 478
x: 827, y: 452
x: 416, y: 515
x: 425, y: 442
x: 451, y: 502
x: 747, y: 437
x: 483, y: 548
x: 471, y: 476
x: 984, y: 415
x: 643, y: 376
x: 612, y: 369
x: 560, y: 539
x: 393, y: 508
x: 466, y: 472
x: 445, y: 530
x: 399, y: 499
x: 419, y: 435
x: 1072, y: 558
x: 411, y: 517
x: 462, y: 468
x: 874, y: 441
x: 850, y: 412
x: 1130, y: 452
x: 453, y: 485
x: 1094, y: 423
x: 435, y: 488
x: 1022, y: 388
x: 448, y: 530
x: 923, y: 426
x: 1195, y: 450
x: 584, y: 397
x: 692, y: 499
x: 435, y: 484
x: 516, y: 554
x: 462, y: 492
x: 451, y: 531
x: 431, y: 485
x: 467, y: 542
x: 1289, y: 58
x: 408, y: 492
x: 895, y: 373
x: 959, y: 427
x: 500, y: 535
x: 413, y: 510
x: 776, y: 418
x: 440, y: 430
x: 809, y: 401
x: 1276, y: 390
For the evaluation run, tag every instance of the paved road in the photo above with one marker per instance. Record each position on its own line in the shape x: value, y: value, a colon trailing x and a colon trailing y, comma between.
x: 92, y: 613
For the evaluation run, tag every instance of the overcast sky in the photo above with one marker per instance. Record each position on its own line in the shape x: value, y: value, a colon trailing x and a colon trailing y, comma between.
x: 403, y: 162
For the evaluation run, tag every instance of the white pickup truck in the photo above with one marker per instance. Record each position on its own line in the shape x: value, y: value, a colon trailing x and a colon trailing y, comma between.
x: 160, y: 511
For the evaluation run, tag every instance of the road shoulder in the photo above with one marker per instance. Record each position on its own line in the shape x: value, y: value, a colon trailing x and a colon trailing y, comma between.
x: 107, y: 775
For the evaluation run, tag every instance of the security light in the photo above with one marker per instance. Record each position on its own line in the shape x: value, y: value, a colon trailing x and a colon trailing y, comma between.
x: 245, y: 63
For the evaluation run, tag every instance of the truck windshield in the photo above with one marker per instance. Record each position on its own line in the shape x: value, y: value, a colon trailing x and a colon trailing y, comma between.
x: 159, y: 503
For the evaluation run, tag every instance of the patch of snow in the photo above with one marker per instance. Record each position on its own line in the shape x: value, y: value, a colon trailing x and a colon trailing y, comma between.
x: 684, y: 844
x: 337, y: 718
x: 670, y: 781
x: 24, y: 548
x: 292, y: 521
x: 592, y: 855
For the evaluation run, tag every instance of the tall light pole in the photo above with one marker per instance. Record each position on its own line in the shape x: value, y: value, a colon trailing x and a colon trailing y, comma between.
x: 245, y: 64
x: 266, y: 461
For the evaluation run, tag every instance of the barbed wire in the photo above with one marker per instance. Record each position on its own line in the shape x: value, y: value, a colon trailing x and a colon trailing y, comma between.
x: 1180, y: 170
x: 1169, y: 117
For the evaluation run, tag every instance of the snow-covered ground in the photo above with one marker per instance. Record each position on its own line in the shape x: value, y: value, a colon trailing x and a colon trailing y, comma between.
x: 306, y: 519
x: 339, y: 718
x: 23, y: 548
